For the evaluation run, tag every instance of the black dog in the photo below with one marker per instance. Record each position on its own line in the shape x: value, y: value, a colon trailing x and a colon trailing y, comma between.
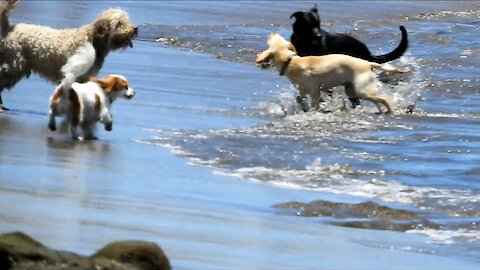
x: 309, y: 39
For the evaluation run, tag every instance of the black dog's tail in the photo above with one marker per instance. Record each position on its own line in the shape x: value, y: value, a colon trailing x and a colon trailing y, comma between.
x: 395, y: 54
x: 5, y: 9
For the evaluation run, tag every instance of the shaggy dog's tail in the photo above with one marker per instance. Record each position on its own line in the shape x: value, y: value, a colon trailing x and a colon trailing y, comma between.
x: 5, y: 9
x: 77, y: 65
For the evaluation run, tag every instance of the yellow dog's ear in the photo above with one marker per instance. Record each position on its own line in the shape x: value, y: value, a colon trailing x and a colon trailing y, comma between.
x: 263, y: 57
x: 291, y: 48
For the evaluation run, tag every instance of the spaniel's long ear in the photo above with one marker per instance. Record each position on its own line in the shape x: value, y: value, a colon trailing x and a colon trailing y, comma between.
x: 107, y: 84
x: 263, y: 57
x: 314, y: 8
x: 297, y: 14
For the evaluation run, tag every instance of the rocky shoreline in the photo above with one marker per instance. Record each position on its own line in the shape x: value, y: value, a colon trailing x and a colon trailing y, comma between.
x: 19, y: 251
x: 368, y: 215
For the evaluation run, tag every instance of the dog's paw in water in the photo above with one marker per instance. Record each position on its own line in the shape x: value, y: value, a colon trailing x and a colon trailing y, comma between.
x: 302, y: 101
x: 108, y: 126
x: 52, y: 126
x: 264, y: 65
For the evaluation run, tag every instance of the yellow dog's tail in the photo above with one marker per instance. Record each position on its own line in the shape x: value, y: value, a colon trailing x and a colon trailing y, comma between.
x: 387, y: 67
x: 5, y: 9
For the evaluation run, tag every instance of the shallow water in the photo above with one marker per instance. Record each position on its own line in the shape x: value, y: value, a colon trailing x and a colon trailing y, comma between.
x: 241, y: 145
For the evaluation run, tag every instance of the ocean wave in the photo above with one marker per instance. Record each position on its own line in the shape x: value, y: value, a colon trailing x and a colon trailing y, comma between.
x: 449, y: 14
x: 448, y: 237
x: 342, y: 179
x: 332, y: 178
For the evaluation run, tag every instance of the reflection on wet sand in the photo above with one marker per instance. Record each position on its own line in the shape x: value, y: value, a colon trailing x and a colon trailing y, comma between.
x: 99, y: 148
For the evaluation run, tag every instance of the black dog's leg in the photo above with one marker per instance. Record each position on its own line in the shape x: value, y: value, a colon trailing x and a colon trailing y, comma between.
x: 350, y: 91
x: 354, y: 102
x: 1, y: 103
x: 301, y: 100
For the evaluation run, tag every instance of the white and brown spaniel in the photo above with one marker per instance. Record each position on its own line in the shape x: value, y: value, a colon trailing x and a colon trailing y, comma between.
x: 84, y: 104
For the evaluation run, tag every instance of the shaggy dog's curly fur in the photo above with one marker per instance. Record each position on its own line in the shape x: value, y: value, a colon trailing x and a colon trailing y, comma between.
x: 27, y: 48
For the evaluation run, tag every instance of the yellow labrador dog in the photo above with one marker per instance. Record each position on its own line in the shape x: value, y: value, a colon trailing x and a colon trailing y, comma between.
x: 312, y: 74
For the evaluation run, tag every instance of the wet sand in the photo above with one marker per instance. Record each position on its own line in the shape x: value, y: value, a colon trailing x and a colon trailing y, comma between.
x: 78, y: 196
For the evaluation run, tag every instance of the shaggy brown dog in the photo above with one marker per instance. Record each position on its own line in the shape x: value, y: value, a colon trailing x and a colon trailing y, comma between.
x: 27, y: 48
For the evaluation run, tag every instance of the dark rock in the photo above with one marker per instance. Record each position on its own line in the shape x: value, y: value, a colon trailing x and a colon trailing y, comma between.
x: 385, y: 224
x: 321, y: 208
x: 24, y: 251
x: 19, y: 251
x: 365, y: 215
x: 146, y: 256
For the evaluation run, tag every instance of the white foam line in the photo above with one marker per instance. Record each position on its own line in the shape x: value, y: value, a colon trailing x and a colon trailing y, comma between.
x: 449, y: 236
x: 448, y: 13
x: 334, y: 181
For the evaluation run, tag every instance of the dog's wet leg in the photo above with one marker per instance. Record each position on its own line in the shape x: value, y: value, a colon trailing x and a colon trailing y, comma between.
x: 106, y: 119
x: 315, y: 95
x: 74, y: 132
x: 354, y: 102
x: 321, y: 90
x: 87, y: 129
x: 108, y: 126
x: 387, y: 103
x: 377, y: 100
x: 11, y: 73
x: 74, y: 113
x: 74, y: 123
x: 1, y: 102
x: 377, y: 103
x: 52, y: 125
x: 301, y: 100
x: 350, y: 91
x: 54, y: 102
x: 2, y: 108
x: 329, y: 93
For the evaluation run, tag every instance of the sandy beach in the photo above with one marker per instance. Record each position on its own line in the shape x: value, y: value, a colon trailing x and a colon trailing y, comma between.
x: 210, y: 143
